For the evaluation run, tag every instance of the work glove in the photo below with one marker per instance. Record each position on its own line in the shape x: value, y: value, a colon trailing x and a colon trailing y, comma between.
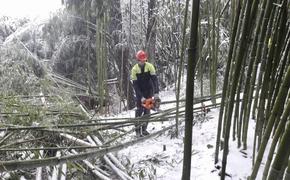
x: 143, y: 99
x: 156, y: 96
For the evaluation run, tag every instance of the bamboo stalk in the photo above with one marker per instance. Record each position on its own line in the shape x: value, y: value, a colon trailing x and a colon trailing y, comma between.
x: 226, y: 82
x: 181, y: 65
x: 53, y: 148
x: 21, y: 142
x: 55, y: 171
x: 98, y: 172
x: 274, y: 114
x: 110, y: 155
x: 281, y: 156
x: 63, y: 172
x: 240, y: 54
x: 34, y: 163
x: 119, y: 172
x: 39, y: 169
x: 276, y: 137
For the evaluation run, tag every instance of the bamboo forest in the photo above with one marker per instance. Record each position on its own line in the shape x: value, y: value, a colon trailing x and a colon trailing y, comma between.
x: 145, y: 89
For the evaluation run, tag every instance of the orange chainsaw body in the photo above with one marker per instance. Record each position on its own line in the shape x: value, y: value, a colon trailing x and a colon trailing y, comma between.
x: 151, y: 103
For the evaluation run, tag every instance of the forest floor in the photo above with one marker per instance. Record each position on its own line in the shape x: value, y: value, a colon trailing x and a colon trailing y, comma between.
x: 161, y: 157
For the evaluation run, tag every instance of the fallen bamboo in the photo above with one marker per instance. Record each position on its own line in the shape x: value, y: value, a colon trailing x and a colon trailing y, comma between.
x: 63, y: 170
x: 54, y: 148
x: 34, y: 163
x: 119, y: 172
x: 55, y: 171
x: 38, y: 175
x: 146, y: 118
x: 110, y: 155
x: 21, y: 142
x: 96, y: 171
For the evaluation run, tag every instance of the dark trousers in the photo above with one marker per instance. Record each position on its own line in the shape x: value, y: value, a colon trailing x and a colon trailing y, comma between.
x: 141, y: 111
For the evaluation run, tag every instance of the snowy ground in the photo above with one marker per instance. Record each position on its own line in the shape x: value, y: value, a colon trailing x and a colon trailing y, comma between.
x: 161, y: 157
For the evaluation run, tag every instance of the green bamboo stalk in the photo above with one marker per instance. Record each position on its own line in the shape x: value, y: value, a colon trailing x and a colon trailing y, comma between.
x: 34, y: 163
x: 235, y: 51
x: 287, y: 174
x: 192, y: 58
x: 278, y: 103
x: 52, y: 148
x: 282, y: 155
x: 239, y: 60
x: 278, y: 49
x: 250, y: 82
x: 181, y: 65
x: 243, y: 122
x: 265, y: 76
x: 276, y: 137
x: 213, y: 64
x: 262, y: 42
x: 226, y: 81
x: 282, y: 67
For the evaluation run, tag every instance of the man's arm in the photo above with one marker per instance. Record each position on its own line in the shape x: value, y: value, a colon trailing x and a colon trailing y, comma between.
x: 155, y: 83
x: 135, y: 84
x: 154, y: 78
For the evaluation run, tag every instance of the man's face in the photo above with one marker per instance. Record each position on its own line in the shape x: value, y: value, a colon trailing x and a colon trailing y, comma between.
x: 141, y: 63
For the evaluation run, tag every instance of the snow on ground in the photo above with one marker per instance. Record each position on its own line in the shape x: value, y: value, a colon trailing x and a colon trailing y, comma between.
x: 161, y: 157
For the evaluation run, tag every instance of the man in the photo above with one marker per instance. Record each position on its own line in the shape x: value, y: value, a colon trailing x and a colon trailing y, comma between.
x: 145, y: 84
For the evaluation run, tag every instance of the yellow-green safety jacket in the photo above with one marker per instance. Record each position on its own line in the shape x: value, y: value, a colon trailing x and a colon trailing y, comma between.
x: 145, y: 81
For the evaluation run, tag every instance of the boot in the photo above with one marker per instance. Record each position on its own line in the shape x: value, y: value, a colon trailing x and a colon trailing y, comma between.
x: 138, y: 132
x: 144, y: 131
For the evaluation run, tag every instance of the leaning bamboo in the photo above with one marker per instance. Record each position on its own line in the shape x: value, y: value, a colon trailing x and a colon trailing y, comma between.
x: 63, y: 172
x: 276, y: 137
x: 34, y: 163
x: 21, y: 142
x: 93, y: 169
x: 274, y: 114
x: 282, y: 155
x: 226, y: 81
x: 287, y: 173
x: 267, y: 12
x: 110, y: 155
x: 280, y: 42
x: 240, y: 54
x: 39, y: 169
x: 52, y: 148
x: 55, y: 172
x: 119, y: 172
x: 181, y: 65
x: 192, y: 59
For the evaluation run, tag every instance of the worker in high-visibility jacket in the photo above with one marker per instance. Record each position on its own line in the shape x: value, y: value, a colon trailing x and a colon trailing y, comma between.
x: 146, y: 86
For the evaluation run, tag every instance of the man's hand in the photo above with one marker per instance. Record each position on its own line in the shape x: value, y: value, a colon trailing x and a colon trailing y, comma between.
x: 156, y: 96
x: 143, y: 99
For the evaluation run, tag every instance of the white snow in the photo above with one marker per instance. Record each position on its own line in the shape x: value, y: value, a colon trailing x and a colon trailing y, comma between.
x: 161, y: 157
x: 28, y: 8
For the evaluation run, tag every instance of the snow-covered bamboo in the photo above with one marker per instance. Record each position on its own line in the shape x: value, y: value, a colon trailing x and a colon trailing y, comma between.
x: 120, y: 173
x: 34, y: 163
x: 39, y: 169
x: 63, y: 172
x: 55, y: 171
x: 98, y: 172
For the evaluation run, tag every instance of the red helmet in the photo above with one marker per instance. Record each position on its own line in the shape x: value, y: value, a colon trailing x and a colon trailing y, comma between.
x: 141, y: 56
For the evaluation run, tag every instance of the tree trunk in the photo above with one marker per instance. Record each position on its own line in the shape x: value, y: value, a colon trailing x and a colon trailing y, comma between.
x: 151, y: 30
x: 120, y: 53
x: 192, y: 58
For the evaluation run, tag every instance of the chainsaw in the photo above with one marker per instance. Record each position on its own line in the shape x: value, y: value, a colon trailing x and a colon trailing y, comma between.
x: 151, y: 103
